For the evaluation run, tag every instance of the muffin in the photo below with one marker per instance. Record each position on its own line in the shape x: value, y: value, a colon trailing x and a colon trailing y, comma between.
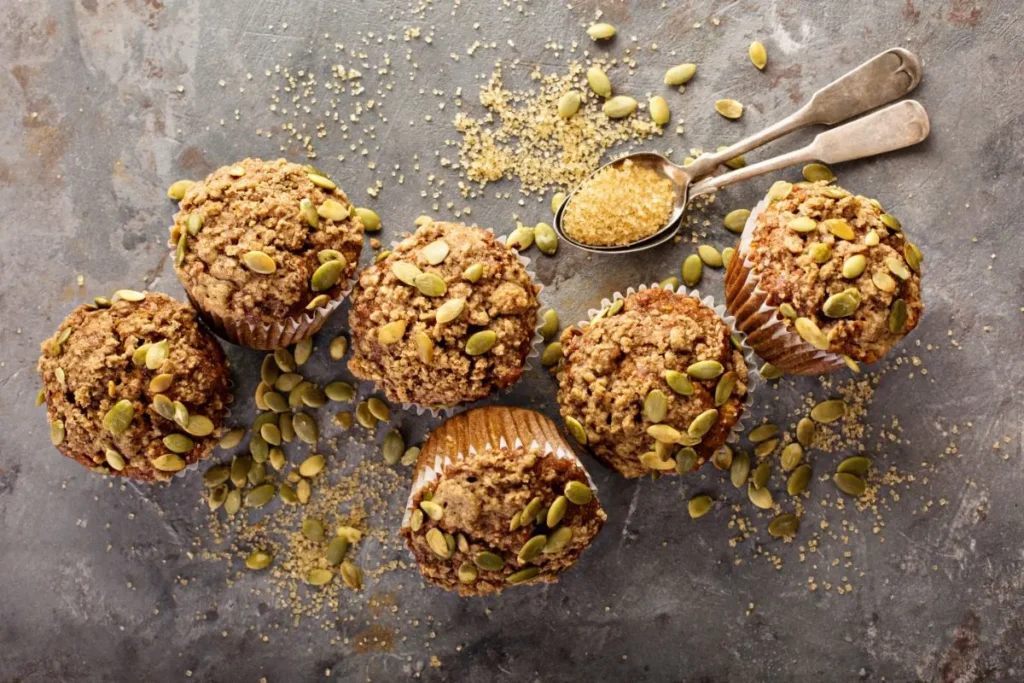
x: 822, y: 279
x: 265, y: 250
x: 499, y: 498
x: 653, y: 384
x: 134, y: 387
x: 448, y: 316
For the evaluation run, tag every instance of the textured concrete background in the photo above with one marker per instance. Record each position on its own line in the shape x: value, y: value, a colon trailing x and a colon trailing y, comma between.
x: 105, y: 102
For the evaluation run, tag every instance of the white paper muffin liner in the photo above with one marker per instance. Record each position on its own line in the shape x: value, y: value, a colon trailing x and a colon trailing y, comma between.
x: 448, y: 411
x: 753, y: 375
x: 765, y: 327
x: 430, y: 466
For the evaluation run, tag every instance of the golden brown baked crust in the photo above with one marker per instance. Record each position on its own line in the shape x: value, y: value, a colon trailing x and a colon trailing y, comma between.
x: 260, y: 211
x: 503, y: 300
x: 480, y: 495
x: 612, y: 365
x: 783, y: 260
x: 98, y: 371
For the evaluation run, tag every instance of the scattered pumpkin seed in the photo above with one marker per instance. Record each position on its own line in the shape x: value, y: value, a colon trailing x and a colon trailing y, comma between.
x: 169, y: 462
x: 305, y: 428
x: 309, y: 213
x: 857, y: 465
x: 658, y: 107
x: 379, y: 409
x: 669, y: 283
x: 761, y: 498
x: 163, y: 406
x: 898, y: 316
x: 119, y: 417
x: 828, y: 411
x: 288, y: 495
x: 849, y: 484
x: 763, y: 432
x: 114, y: 459
x: 680, y: 74
x: 722, y: 458
x: 258, y: 559
x: 424, y: 347
x: 599, y: 82
x: 233, y: 501
x: 430, y: 284
x: 758, y: 55
x: 814, y: 173
x: 393, y: 447
x: 332, y: 210
x: 546, y: 238
x: 883, y: 281
x: 340, y: 391
x: 791, y: 456
x: 761, y: 474
x: 709, y: 255
x: 351, y: 575
x: 601, y: 31
x: 364, y: 417
x: 520, y: 239
x: 557, y: 511
x: 552, y: 354
x: 369, y: 219
x: 319, y: 577
x: 406, y: 272
x: 739, y: 470
x: 692, y: 269
x: 897, y: 268
x: 550, y: 326
x: 522, y: 575
x: 664, y: 433
x: 705, y: 369
x: 568, y: 105
x: 730, y: 109
x: 653, y: 461
x: 784, y: 525
x: 178, y: 188
x: 736, y: 219
x: 57, y: 432
x: 699, y: 506
x: 312, y: 466
x: 576, y: 430
x: 811, y: 333
x: 619, y: 107
x: 805, y: 432
x: 770, y: 372
x: 798, y: 481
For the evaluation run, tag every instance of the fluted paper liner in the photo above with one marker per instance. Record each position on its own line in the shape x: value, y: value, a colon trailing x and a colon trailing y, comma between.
x: 753, y: 376
x: 765, y: 328
x: 482, y: 429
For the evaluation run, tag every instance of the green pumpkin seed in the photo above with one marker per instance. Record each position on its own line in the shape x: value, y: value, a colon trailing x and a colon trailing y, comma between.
x: 811, y: 333
x: 897, y: 268
x: 259, y: 262
x: 805, y: 432
x: 313, y: 529
x: 557, y: 200
x: 520, y: 239
x: 843, y: 304
x: 569, y: 104
x: 686, y: 460
x: 481, y: 342
x: 703, y: 423
x: 311, y: 395
x: 735, y: 162
x: 655, y: 406
x: 763, y: 432
x: 236, y: 171
x: 276, y: 459
x: 332, y: 211
x: 765, y: 447
x: 488, y: 561
x: 406, y: 272
x: 340, y: 391
x: 467, y: 573
x: 522, y: 575
x: 727, y: 255
x: 57, y: 432
x: 653, y: 461
x: 664, y: 433
x: 233, y: 502
x: 325, y: 255
x: 658, y: 107
x: 883, y: 281
x: 114, y: 459
x: 312, y: 466
x: 557, y: 511
x: 269, y: 372
x: 199, y: 425
x: 898, y: 316
x: 872, y: 239
x: 393, y: 447
x: 619, y: 107
x: 169, y: 462
x: 336, y: 550
x: 351, y: 575
x: 156, y: 354
x: 319, y: 577
x: 784, y: 525
x: 840, y: 228
x: 787, y: 310
x: 854, y: 265
x: 758, y: 55
x: 430, y: 284
x: 552, y: 354
x: 217, y: 497
x: 305, y: 428
x: 802, y: 224
x: 309, y: 213
x: 391, y: 332
x: 849, y: 484
x: 722, y: 458
x: 601, y: 31
x: 798, y: 481
x: 739, y: 470
x: 338, y: 348
x: 240, y: 466
x: 761, y: 474
x: 820, y: 252
x: 709, y: 255
x: 692, y: 270
x: 424, y: 347
x: 317, y: 301
x: 857, y: 465
x: 304, y: 349
x: 532, y: 508
x: 678, y: 382
x: 288, y: 495
x: 437, y: 543
x: 828, y: 411
x: 578, y: 492
x: 576, y: 430
x: 550, y: 326
x: 378, y: 408
x: 680, y: 74
x: 327, y: 275
x: 814, y: 173
x: 699, y: 506
x: 705, y: 369
x: 791, y: 456
x: 178, y: 443
x: 730, y: 109
x: 725, y: 387
x: 474, y: 272
x: 736, y: 220
x: 180, y: 249
x: 532, y: 548
x: 271, y: 434
x: 761, y: 498
x: 258, y: 559
x: 432, y: 510
x: 599, y: 82
x: 119, y: 417
x: 364, y: 417
x: 770, y: 372
x: 450, y: 310
x: 369, y: 219
x: 129, y: 295
x: 435, y: 252
x: 216, y: 475
x: 669, y: 283
x: 891, y: 222
x: 546, y: 238
x: 303, y: 491
x: 180, y: 414
x: 178, y: 188
x: 275, y: 402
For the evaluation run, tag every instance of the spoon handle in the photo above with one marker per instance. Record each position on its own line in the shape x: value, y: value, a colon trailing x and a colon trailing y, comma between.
x: 895, y: 127
x: 880, y: 80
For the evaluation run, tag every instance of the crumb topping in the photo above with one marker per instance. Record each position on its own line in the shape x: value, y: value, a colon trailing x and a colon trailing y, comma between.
x: 398, y: 341
x: 612, y: 365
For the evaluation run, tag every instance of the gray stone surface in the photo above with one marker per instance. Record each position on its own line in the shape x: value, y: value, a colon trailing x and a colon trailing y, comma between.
x: 94, y: 126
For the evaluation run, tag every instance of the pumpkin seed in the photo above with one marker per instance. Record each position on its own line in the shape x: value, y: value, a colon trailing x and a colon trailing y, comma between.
x: 312, y: 528
x: 784, y: 525
x: 411, y: 455
x: 216, y: 475
x: 883, y: 281
x: 735, y: 162
x: 805, y: 432
x: 891, y: 222
x: 114, y: 459
x: 724, y: 388
x: 578, y: 492
x: 271, y: 434
x: 722, y: 458
x: 232, y: 501
x: 522, y: 575
x: 305, y: 428
x: 872, y: 239
x: 276, y: 458
x: 156, y: 354
x: 664, y: 433
x: 727, y: 255
x: 709, y: 255
x: 770, y: 372
x: 791, y: 456
x: 304, y: 349
x: 336, y: 549
x: 488, y: 561
x: 798, y: 481
x: 843, y: 304
x: 898, y: 316
x: 658, y: 107
x: 601, y: 31
x: 391, y: 332
x: 619, y: 107
x: 178, y: 188
x: 288, y: 495
x: 699, y: 506
x: 678, y: 382
x: 424, y: 347
x: 739, y: 470
x: 840, y: 228
x: 828, y: 411
x: 379, y: 409
x: 802, y: 224
x: 169, y: 462
x: 552, y: 354
x: 240, y: 466
x: 437, y: 543
x: 481, y: 342
x: 692, y: 270
x: 765, y: 447
x: 761, y: 498
x: 474, y: 272
x: 430, y: 284
x: 546, y: 238
x: 258, y: 472
x: 702, y: 423
x: 576, y: 430
x: 275, y: 402
x: 163, y: 406
x: 569, y: 104
x: 393, y: 447
x: 814, y: 173
x: 432, y: 510
x: 309, y: 213
x: 435, y: 252
x: 327, y: 275
x: 653, y: 461
x: 317, y: 301
x: 758, y: 55
x: 258, y: 559
x: 218, y: 495
x: 897, y: 268
x: 406, y: 272
x: 119, y: 417
x: 311, y: 395
x: 199, y: 425
x: 181, y: 415
x: 520, y: 239
x: 532, y: 548
x: 655, y: 406
x: 550, y: 325
x: 680, y: 74
x: 319, y: 577
x: 129, y: 295
x: 332, y: 211
x: 450, y: 310
x: 669, y: 283
x: 811, y: 333
x: 312, y: 466
x: 761, y: 474
x: 369, y: 219
x: 236, y: 171
x: 686, y: 460
x: 557, y: 511
x: 705, y: 369
x: 303, y: 491
x: 363, y: 416
x: 763, y: 432
x: 854, y: 265
x: 787, y: 310
x: 57, y: 432
x: 340, y: 391
x: 178, y: 443
x: 849, y: 484
x: 599, y: 82
x: 351, y: 575
x: 730, y: 109
x: 736, y: 220
x: 857, y: 465
x: 259, y: 262
x: 557, y: 200
x: 820, y: 252
x: 180, y: 249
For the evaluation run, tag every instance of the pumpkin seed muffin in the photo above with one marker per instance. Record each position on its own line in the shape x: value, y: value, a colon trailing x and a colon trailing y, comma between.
x: 653, y: 384
x: 134, y: 386
x: 447, y: 316
x: 499, y: 498
x: 265, y: 250
x: 838, y: 269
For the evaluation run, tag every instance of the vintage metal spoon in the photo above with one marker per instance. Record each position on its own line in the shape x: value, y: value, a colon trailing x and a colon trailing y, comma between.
x: 880, y: 80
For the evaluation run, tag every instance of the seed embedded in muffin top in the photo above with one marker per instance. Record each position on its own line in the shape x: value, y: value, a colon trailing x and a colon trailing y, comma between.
x: 447, y: 316
x: 135, y: 387
x: 264, y: 241
x: 841, y: 271
x: 653, y: 384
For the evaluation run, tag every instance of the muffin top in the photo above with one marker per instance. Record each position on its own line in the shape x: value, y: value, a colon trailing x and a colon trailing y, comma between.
x: 447, y: 316
x: 249, y: 238
x: 652, y: 384
x: 502, y: 516
x: 841, y: 270
x: 137, y: 389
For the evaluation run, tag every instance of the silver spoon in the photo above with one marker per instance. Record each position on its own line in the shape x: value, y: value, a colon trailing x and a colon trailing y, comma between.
x: 880, y: 80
